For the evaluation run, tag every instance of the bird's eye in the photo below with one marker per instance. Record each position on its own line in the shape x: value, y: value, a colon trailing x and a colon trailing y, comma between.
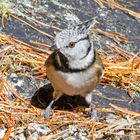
x: 72, y: 45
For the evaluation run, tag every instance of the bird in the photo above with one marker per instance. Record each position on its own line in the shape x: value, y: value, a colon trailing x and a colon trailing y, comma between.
x: 74, y: 67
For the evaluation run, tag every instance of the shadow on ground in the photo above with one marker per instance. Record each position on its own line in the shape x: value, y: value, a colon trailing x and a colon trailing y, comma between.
x: 102, y: 97
x: 44, y: 95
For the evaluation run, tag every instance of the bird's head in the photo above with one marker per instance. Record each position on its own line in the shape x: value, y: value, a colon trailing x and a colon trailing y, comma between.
x: 74, y: 42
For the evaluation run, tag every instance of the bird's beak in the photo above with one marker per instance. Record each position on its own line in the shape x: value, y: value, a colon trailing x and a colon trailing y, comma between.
x: 53, y: 47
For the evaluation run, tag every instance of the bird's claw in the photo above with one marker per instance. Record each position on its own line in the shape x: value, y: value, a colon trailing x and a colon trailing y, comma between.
x: 94, y: 113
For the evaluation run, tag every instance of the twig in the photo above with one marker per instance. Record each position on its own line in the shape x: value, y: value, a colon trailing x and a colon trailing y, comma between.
x: 32, y: 26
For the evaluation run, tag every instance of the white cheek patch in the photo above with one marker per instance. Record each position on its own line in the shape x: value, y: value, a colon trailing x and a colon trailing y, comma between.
x: 83, y: 43
x: 80, y: 59
x: 80, y: 49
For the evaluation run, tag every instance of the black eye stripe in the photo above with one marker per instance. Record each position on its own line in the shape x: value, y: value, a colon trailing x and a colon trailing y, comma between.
x: 83, y: 39
x: 87, y: 37
x: 72, y: 43
x: 78, y: 41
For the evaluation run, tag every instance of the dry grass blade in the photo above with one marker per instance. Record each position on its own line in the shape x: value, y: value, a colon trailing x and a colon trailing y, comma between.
x: 50, y: 36
x: 122, y: 70
x: 9, y: 125
x: 119, y: 6
x: 126, y: 111
x: 117, y: 37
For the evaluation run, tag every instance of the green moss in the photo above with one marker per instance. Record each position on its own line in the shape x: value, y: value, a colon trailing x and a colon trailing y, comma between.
x: 5, y: 8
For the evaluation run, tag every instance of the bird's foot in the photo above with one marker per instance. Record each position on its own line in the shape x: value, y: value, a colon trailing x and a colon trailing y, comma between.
x: 94, y: 113
x: 47, y: 111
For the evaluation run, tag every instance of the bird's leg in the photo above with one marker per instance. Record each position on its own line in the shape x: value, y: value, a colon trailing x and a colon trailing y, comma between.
x: 47, y: 111
x: 88, y: 98
x: 56, y: 96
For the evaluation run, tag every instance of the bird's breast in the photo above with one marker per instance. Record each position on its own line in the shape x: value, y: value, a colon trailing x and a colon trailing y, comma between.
x: 73, y: 83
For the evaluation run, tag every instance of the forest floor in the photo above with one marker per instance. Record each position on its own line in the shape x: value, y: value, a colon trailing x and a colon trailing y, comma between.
x: 27, y: 30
